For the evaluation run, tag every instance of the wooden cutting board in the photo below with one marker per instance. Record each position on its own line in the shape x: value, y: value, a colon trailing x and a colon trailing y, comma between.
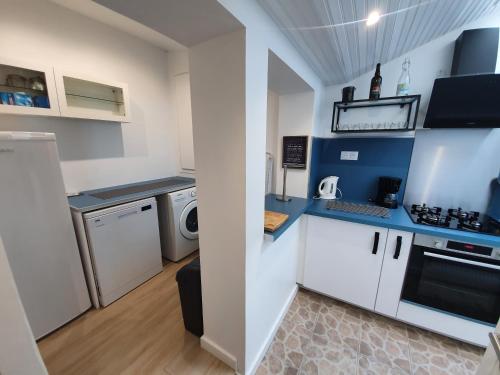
x: 273, y: 220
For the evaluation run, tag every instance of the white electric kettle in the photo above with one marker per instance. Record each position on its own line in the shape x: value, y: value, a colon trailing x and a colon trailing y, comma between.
x: 327, y: 188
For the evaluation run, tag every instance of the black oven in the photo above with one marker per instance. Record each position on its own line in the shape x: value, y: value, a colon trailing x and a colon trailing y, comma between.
x: 454, y: 277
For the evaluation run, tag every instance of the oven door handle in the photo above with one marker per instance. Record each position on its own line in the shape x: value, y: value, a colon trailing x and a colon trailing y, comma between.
x: 465, y: 261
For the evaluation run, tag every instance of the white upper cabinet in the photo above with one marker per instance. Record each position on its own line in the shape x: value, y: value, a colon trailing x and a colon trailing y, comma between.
x: 83, y: 96
x: 344, y: 259
x: 27, y: 89
x: 184, y: 120
x: 397, y: 251
x: 32, y: 89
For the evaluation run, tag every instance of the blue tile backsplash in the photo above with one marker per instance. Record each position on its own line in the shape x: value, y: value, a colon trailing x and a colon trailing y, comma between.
x: 358, y: 179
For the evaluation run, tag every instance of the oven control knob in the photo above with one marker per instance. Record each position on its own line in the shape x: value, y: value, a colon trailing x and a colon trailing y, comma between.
x: 438, y: 244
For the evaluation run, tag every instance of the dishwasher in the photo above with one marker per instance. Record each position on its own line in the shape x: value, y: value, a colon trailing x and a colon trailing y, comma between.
x: 124, y: 243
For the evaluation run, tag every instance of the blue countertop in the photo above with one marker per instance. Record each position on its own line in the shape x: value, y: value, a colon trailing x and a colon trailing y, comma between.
x: 85, y: 201
x: 399, y: 220
x: 294, y: 209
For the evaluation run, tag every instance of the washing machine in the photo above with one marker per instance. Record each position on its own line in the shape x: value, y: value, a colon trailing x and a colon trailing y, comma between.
x: 178, y: 218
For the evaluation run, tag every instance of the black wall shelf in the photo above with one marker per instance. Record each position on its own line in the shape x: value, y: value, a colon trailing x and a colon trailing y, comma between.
x: 411, y: 101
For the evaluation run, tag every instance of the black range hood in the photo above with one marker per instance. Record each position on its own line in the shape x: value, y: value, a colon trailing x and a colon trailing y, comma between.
x: 470, y: 98
x: 465, y: 102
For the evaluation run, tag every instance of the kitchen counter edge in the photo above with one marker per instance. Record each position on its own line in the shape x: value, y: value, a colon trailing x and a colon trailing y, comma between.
x: 399, y: 220
x: 84, y: 202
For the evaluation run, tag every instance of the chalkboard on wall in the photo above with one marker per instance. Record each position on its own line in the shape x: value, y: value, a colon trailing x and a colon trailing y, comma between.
x: 295, y: 151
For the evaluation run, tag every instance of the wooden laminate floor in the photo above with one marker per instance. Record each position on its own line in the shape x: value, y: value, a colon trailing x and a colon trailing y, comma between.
x: 141, y: 333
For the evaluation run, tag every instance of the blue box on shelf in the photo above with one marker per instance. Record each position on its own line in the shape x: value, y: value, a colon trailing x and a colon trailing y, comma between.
x: 41, y: 101
x: 22, y: 99
x: 6, y: 98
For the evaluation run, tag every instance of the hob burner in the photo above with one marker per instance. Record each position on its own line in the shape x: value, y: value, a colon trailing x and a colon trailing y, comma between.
x: 433, y: 219
x: 473, y: 225
x: 424, y: 209
x: 463, y: 215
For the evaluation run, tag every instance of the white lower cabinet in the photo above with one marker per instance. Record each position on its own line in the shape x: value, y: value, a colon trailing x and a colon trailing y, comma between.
x: 397, y: 251
x: 344, y: 259
x: 361, y: 264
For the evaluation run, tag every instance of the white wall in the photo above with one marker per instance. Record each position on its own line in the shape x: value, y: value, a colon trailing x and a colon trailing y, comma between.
x: 272, y: 133
x: 19, y: 354
x: 255, y: 119
x: 451, y: 167
x: 290, y: 114
x: 181, y: 112
x: 217, y: 70
x: 251, y: 15
x: 295, y: 118
x: 94, y: 153
x: 271, y: 287
x: 264, y: 300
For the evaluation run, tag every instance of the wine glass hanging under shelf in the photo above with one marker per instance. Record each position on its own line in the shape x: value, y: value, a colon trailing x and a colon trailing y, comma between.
x: 378, y: 121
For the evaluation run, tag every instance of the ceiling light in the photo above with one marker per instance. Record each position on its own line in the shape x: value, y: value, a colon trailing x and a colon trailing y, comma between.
x: 373, y: 18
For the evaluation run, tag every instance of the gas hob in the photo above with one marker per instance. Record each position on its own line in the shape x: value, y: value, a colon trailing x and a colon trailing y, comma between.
x: 453, y: 218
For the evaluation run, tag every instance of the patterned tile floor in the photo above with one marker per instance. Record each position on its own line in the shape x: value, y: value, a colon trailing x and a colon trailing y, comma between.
x: 322, y: 336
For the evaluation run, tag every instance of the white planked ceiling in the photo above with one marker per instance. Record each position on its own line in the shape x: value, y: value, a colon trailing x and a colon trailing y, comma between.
x: 333, y: 37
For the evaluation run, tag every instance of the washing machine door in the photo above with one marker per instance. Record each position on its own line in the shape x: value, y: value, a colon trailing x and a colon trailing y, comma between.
x: 189, y: 221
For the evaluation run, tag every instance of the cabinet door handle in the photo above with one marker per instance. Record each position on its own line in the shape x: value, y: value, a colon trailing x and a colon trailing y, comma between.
x: 398, y: 247
x: 375, y: 243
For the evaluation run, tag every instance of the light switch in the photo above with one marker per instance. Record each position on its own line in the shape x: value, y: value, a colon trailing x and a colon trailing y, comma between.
x: 349, y: 155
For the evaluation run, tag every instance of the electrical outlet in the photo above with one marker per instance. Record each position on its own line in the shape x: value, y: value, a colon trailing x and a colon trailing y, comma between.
x: 349, y: 155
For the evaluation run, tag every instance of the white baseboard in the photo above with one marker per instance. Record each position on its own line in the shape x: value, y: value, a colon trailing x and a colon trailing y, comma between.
x: 267, y: 343
x: 220, y: 353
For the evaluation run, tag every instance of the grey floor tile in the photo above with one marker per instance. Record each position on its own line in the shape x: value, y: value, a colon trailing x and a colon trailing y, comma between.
x: 334, y: 328
x: 370, y: 366
x: 435, y: 354
x: 385, y: 342
x: 322, y: 336
x: 334, y: 345
x: 329, y: 360
x: 287, y: 350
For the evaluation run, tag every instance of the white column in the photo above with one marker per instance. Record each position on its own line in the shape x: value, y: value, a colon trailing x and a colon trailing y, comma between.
x: 218, y: 110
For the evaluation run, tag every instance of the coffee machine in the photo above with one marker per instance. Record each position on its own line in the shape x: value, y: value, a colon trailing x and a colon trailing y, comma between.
x: 387, y: 194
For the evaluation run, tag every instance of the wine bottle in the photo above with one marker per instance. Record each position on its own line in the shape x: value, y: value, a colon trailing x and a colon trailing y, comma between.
x: 376, y: 84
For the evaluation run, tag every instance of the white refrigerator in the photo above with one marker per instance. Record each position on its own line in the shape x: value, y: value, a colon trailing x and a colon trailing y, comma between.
x: 36, y: 228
